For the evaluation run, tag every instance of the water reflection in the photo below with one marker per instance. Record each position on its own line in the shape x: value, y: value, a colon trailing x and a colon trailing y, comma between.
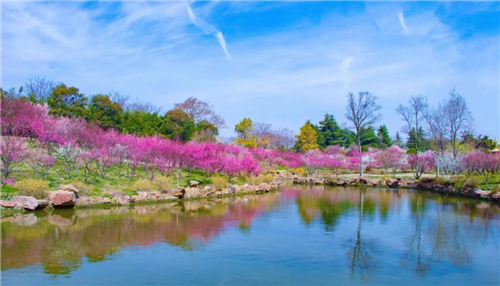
x: 431, y: 229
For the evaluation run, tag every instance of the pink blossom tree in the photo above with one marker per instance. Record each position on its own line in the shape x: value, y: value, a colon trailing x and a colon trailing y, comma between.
x: 13, y: 152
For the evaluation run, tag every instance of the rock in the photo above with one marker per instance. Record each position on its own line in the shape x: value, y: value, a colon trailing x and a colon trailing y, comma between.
x: 10, y: 204
x: 482, y: 193
x: 178, y: 192
x: 70, y: 188
x: 193, y: 183
x: 85, y: 201
x: 403, y: 183
x: 393, y: 183
x: 62, y: 198
x: 167, y: 197
x: 121, y: 198
x: 27, y: 202
x: 192, y: 193
x: 106, y: 200
x: 42, y: 204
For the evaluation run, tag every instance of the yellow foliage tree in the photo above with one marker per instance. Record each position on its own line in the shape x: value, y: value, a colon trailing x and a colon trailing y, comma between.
x: 307, y: 139
x: 245, y: 137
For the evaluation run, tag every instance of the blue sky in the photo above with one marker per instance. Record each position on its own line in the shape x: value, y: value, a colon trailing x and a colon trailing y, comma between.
x: 275, y: 62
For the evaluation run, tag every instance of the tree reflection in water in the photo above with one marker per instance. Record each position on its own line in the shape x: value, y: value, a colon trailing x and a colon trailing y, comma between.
x: 436, y: 228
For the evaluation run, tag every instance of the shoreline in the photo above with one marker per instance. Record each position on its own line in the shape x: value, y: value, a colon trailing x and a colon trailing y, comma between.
x: 424, y: 184
x: 72, y: 200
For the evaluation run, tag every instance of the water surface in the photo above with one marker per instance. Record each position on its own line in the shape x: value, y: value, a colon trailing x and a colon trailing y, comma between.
x: 299, y: 236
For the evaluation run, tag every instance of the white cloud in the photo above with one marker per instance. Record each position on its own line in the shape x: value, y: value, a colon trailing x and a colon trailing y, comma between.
x: 151, y: 51
x: 401, y: 18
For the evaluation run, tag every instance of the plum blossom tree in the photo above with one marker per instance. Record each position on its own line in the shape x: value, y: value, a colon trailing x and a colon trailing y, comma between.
x: 13, y: 152
x: 391, y: 158
x: 40, y: 162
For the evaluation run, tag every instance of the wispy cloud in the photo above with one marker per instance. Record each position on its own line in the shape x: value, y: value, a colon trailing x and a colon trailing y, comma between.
x: 401, y: 18
x: 152, y: 51
x: 208, y: 29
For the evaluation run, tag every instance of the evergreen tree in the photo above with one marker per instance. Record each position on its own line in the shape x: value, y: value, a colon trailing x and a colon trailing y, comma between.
x: 347, y: 137
x: 368, y: 137
x: 398, y: 141
x: 329, y: 132
x: 412, y: 141
x: 384, y: 140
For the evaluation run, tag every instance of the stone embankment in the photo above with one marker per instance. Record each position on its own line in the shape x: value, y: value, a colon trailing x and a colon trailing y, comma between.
x: 68, y: 196
x: 445, y: 188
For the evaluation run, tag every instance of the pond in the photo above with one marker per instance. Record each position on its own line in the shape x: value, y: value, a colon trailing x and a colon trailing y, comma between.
x: 298, y: 236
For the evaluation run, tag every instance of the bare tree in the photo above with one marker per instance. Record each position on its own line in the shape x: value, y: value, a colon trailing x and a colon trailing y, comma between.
x: 38, y: 89
x: 362, y: 112
x: 283, y: 138
x: 200, y: 111
x: 268, y: 137
x: 119, y: 98
x: 413, y: 115
x: 437, y: 127
x: 458, y: 117
x: 143, y: 106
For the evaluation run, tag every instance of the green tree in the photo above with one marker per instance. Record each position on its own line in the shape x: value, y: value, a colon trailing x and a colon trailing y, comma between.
x: 398, y: 141
x: 140, y: 123
x: 384, y: 140
x: 415, y: 141
x: 178, y: 125
x: 67, y: 101
x: 205, y: 132
x: 245, y: 130
x: 307, y: 139
x: 329, y: 132
x: 104, y: 111
x: 368, y: 137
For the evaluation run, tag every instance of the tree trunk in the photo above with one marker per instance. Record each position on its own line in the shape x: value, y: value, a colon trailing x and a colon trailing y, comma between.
x: 360, y: 157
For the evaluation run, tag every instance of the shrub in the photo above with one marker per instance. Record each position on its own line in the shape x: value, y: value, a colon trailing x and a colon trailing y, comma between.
x: 459, y: 181
x: 267, y: 178
x: 254, y: 180
x: 385, y: 177
x: 440, y: 180
x: 32, y: 187
x: 82, y: 187
x: 162, y: 183
x: 219, y: 183
x: 299, y: 171
x: 143, y: 186
x: 474, y: 181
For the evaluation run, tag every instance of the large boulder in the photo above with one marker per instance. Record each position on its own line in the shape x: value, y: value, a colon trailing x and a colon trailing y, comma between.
x: 27, y: 202
x: 70, y: 188
x: 62, y: 198
x: 194, y: 183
